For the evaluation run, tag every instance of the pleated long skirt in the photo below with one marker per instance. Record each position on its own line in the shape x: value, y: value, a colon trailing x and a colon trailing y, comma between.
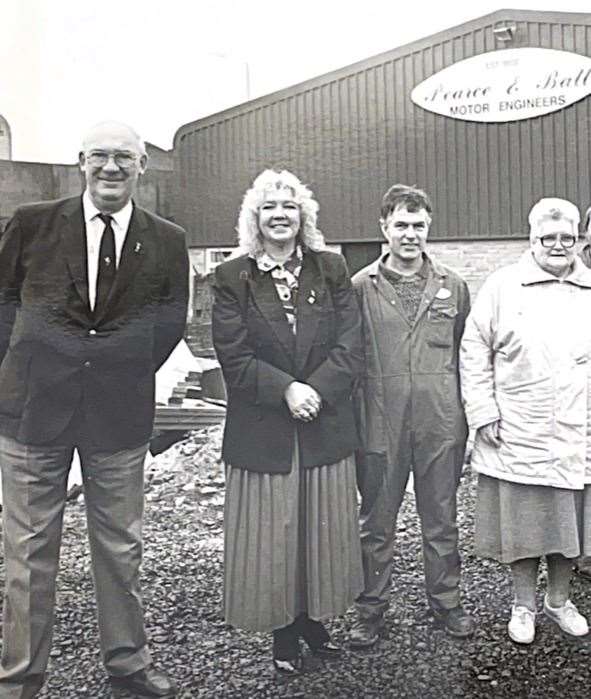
x: 291, y: 544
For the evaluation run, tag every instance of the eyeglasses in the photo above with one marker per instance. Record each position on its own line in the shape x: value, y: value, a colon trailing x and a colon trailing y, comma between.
x: 100, y: 158
x: 550, y: 240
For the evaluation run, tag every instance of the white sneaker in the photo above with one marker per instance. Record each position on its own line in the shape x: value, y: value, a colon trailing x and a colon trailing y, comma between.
x: 567, y: 617
x: 522, y: 626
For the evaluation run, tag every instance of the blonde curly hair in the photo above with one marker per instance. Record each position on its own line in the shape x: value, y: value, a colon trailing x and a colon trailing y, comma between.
x: 250, y: 239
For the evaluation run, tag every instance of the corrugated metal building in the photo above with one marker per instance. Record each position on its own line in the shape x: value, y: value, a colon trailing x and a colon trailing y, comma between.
x: 351, y: 133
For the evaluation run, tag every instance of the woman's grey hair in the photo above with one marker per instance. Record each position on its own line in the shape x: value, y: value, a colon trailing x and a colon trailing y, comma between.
x: 552, y: 208
x: 249, y: 235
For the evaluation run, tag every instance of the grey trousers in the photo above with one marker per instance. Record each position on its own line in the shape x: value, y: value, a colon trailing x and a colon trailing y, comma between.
x: 382, y: 489
x: 34, y: 483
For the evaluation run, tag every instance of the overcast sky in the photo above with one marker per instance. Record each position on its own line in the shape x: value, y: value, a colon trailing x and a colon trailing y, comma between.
x: 158, y: 64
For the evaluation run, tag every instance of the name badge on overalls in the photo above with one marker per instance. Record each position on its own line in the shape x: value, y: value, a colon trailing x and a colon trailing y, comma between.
x: 443, y: 293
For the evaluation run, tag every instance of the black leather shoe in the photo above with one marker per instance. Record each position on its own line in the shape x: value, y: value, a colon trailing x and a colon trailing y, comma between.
x: 146, y: 683
x: 327, y: 650
x: 456, y: 622
x: 289, y: 668
x: 366, y: 632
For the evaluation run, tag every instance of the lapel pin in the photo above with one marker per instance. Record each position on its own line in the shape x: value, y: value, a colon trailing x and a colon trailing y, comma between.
x: 312, y: 297
x: 107, y: 261
x: 137, y: 248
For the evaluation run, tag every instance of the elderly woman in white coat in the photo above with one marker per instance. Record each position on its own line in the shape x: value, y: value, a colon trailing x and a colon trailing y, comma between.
x: 526, y: 381
x: 583, y: 564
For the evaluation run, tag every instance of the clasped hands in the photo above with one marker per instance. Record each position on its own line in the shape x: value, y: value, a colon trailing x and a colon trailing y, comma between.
x: 303, y: 401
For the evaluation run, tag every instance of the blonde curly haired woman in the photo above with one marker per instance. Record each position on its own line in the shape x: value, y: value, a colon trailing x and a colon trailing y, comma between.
x: 286, y: 329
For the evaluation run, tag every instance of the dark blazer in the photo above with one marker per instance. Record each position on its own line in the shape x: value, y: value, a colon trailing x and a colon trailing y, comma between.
x: 260, y: 357
x: 57, y: 357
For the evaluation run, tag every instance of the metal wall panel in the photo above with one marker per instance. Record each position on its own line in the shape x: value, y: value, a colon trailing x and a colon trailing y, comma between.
x: 352, y: 133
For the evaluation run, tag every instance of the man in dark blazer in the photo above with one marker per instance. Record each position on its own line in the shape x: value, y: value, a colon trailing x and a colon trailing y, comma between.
x: 93, y: 298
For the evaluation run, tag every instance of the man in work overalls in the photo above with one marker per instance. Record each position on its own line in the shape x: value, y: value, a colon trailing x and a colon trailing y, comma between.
x: 410, y: 413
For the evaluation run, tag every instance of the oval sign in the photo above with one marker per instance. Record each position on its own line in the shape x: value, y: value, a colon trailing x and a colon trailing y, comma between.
x: 506, y: 85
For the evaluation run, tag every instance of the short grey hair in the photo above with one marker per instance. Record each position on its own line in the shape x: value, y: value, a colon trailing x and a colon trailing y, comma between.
x: 554, y: 209
x: 249, y: 235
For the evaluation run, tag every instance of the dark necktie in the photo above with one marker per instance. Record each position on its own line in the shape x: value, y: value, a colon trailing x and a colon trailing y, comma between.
x: 106, y: 266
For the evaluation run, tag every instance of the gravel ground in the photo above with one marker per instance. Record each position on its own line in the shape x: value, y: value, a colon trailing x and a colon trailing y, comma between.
x: 182, y: 583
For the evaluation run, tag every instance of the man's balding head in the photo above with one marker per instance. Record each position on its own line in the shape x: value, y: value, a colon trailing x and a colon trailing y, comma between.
x: 111, y: 128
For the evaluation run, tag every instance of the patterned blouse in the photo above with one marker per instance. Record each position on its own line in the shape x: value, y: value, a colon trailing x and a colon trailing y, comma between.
x: 286, y: 278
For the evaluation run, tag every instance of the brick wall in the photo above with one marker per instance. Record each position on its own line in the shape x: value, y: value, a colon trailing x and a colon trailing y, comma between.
x: 474, y: 260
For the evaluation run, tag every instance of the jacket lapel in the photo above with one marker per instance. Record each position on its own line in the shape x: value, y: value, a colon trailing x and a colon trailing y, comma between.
x: 73, y: 235
x: 311, y: 297
x: 266, y: 299
x: 132, y: 254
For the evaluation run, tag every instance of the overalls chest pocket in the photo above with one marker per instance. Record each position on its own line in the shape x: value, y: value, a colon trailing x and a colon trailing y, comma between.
x: 441, y: 319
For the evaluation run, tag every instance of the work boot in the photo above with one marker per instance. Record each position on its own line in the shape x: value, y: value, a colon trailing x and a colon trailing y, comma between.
x: 147, y: 682
x: 366, y: 631
x: 456, y: 621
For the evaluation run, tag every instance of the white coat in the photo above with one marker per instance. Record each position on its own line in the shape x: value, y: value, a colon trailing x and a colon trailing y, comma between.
x: 525, y: 360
